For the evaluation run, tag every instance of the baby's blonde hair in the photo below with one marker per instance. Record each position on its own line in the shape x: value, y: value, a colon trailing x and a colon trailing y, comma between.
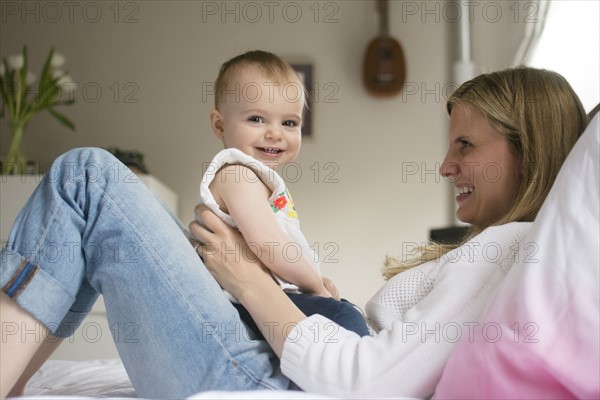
x: 268, y: 63
x: 541, y: 117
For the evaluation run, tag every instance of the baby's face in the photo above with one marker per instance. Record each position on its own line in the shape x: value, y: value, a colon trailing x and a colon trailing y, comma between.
x: 263, y: 118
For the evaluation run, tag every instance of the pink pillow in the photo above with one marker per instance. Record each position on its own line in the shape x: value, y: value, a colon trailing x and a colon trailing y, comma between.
x: 540, y: 335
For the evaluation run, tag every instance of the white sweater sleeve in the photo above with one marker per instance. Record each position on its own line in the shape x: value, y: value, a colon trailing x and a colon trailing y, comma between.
x: 407, y: 358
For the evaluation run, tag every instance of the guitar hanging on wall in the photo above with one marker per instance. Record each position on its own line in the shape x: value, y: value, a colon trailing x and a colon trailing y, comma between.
x: 383, y: 68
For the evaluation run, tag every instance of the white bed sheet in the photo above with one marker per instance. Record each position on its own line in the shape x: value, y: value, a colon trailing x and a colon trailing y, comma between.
x: 94, y: 378
x: 107, y: 379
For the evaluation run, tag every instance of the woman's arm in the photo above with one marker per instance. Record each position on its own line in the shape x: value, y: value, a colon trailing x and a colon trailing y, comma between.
x: 245, y: 278
x: 239, y: 192
x: 406, y: 359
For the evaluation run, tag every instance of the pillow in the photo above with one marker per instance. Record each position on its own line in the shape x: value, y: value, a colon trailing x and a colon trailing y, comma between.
x: 538, y: 337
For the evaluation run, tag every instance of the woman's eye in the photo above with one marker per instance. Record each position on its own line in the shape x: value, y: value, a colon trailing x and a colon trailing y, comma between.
x: 464, y: 143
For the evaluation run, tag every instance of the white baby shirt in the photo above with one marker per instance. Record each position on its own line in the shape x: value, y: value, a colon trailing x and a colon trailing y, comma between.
x: 280, y: 200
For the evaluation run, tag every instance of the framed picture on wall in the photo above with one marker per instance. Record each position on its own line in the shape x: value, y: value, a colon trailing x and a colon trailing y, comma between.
x: 305, y: 72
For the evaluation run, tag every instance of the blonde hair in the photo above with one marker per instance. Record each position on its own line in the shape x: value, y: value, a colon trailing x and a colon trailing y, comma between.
x: 268, y: 63
x: 542, y: 118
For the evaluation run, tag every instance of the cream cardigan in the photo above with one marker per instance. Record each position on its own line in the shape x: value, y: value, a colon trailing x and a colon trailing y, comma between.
x: 417, y: 317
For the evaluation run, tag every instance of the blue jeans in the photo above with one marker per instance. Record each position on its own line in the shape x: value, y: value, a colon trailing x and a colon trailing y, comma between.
x: 91, y: 227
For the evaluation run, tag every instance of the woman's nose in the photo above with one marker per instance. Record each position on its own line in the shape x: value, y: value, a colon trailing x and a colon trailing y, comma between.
x: 449, y: 169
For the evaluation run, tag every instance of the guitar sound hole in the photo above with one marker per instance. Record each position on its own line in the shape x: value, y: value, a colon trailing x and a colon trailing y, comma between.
x: 385, y: 54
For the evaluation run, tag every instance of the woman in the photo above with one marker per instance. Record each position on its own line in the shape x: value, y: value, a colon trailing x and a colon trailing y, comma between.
x: 509, y: 134
x: 518, y: 123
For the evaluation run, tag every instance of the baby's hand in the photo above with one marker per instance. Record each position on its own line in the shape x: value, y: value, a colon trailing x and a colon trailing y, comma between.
x: 331, y: 289
x: 323, y: 293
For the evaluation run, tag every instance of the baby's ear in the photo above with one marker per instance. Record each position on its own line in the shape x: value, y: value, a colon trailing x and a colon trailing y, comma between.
x: 216, y: 123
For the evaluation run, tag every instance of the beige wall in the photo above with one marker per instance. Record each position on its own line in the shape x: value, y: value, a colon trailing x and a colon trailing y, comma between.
x: 376, y: 187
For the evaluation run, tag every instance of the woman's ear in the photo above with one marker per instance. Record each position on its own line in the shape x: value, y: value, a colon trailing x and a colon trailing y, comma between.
x: 216, y: 123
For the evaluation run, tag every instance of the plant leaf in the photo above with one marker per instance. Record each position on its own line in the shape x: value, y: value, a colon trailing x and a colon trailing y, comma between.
x: 8, y: 89
x: 63, y: 102
x: 62, y: 119
x: 45, y: 78
x: 22, y: 81
x: 2, y: 95
x: 47, y: 95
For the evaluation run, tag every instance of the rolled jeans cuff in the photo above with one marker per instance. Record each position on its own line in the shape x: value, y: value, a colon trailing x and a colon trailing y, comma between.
x: 33, y: 289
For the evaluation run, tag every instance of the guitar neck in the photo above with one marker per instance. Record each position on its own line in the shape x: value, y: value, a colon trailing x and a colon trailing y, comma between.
x: 384, y: 27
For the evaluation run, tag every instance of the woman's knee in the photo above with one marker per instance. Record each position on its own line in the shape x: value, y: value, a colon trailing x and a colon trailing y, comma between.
x: 86, y: 155
x: 93, y: 162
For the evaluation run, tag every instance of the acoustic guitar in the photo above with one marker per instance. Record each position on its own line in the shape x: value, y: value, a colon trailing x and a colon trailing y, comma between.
x: 383, y: 68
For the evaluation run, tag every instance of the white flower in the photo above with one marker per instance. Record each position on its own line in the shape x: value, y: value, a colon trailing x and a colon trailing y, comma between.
x: 65, y: 81
x: 57, y: 73
x: 30, y: 78
x: 16, y: 62
x: 57, y: 61
x: 2, y: 69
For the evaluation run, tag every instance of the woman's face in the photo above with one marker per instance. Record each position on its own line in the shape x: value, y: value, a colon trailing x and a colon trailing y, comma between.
x: 481, y: 165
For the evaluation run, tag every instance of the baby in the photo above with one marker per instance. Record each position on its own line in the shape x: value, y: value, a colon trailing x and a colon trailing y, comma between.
x: 259, y: 103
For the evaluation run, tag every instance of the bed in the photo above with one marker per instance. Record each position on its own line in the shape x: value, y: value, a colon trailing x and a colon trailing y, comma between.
x: 92, y: 378
x: 60, y: 379
x: 108, y: 379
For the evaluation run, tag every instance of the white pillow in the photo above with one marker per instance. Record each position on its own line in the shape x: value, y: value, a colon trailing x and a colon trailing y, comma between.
x: 539, y: 337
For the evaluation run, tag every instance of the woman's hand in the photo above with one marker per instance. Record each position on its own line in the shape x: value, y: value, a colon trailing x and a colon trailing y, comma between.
x: 230, y: 260
x: 225, y: 253
x: 234, y: 266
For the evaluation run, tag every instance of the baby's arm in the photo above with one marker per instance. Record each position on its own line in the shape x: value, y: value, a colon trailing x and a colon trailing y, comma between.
x: 241, y: 194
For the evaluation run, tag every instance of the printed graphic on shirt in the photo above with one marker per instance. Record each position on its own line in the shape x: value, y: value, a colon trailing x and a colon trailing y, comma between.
x: 284, y: 203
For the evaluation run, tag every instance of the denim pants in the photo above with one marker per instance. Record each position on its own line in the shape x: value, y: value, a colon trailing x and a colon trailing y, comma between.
x: 91, y: 227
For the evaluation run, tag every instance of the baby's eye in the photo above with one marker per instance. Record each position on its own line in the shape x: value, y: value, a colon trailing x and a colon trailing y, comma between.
x: 290, y: 124
x: 256, y: 119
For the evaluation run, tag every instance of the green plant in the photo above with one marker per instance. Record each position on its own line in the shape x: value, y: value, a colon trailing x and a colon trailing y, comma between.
x: 23, y: 97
